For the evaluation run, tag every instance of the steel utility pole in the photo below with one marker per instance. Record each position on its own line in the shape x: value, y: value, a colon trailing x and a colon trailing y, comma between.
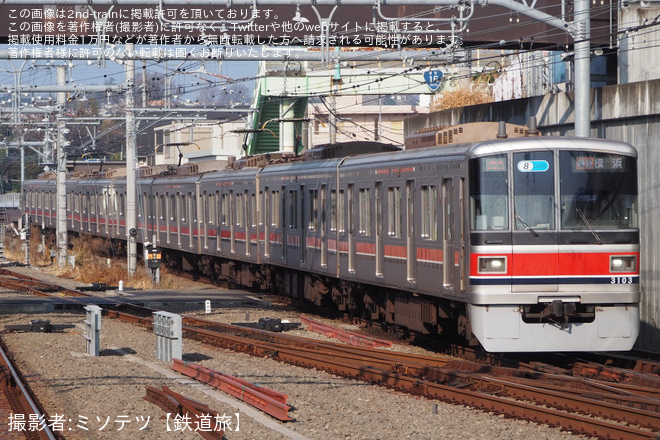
x: 131, y: 164
x: 582, y: 38
x: 61, y: 232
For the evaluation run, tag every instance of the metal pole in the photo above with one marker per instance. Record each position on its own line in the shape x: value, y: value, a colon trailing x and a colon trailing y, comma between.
x: 131, y: 165
x: 61, y: 232
x: 582, y: 69
x: 22, y: 147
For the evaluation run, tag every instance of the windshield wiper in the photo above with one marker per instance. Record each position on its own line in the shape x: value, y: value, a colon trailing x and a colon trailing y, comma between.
x: 586, y: 222
x: 528, y: 227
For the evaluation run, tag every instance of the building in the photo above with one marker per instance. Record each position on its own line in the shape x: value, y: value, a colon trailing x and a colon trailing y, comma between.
x: 180, y: 143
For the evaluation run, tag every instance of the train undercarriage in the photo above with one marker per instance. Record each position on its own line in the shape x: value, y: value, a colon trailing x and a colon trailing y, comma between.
x: 391, y: 309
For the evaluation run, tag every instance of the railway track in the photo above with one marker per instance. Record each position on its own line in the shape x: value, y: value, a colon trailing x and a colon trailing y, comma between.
x: 26, y: 420
x: 589, y: 398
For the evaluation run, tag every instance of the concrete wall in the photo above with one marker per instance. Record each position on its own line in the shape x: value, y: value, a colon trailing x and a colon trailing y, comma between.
x: 629, y: 113
x: 638, y: 54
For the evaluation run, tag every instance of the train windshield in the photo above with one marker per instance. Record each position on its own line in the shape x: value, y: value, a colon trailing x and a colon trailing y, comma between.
x: 598, y: 190
x: 489, y: 206
x: 534, y: 190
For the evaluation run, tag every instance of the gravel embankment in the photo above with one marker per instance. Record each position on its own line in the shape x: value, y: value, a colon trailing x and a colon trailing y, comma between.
x: 102, y: 397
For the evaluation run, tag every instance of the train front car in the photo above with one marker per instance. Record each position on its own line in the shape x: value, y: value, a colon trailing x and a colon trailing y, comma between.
x: 554, y: 245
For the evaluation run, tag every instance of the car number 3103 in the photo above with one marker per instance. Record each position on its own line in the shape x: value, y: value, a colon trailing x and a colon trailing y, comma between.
x: 621, y: 280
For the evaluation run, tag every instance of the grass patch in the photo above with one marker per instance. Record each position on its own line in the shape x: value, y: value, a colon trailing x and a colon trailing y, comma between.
x: 94, y: 262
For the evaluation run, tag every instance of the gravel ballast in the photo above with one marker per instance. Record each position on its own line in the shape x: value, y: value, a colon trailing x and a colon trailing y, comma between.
x: 102, y: 397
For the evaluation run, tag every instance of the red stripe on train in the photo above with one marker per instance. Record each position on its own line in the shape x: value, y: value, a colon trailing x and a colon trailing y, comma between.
x: 562, y: 264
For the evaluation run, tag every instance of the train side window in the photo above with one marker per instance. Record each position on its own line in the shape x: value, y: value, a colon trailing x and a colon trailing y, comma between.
x: 293, y: 209
x: 172, y: 208
x: 275, y: 209
x: 429, y: 212
x: 257, y: 210
x: 489, y: 200
x: 224, y: 209
x: 161, y: 207
x: 183, y: 207
x: 210, y: 207
x: 313, y: 209
x: 333, y: 210
x: 341, y: 208
x: 394, y: 212
x: 240, y: 210
x: 141, y: 206
x: 193, y: 207
x: 364, y: 211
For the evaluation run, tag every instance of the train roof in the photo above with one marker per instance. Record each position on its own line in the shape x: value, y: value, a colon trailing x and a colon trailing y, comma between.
x: 487, y: 148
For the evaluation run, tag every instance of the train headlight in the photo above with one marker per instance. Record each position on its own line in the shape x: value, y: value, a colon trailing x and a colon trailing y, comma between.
x: 623, y: 263
x: 492, y: 264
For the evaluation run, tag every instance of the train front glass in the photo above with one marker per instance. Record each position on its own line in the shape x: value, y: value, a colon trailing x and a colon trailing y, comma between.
x: 597, y: 191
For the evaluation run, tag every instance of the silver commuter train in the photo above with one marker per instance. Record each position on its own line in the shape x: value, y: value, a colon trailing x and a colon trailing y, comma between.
x: 528, y: 244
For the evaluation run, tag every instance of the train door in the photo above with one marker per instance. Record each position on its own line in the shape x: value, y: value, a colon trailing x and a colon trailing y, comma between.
x: 232, y: 222
x: 104, y: 208
x: 462, y: 238
x: 448, y: 233
x: 534, y: 234
x: 197, y: 219
x: 324, y: 226
x: 88, y: 212
x: 411, y: 260
x: 304, y: 220
x: 179, y: 216
x: 255, y: 223
x: 116, y: 204
x: 247, y: 221
x: 75, y: 212
x: 144, y: 211
x: 351, y: 228
x: 267, y: 212
x: 191, y: 213
x: 158, y: 217
x: 454, y: 266
x: 204, y: 210
x: 379, y: 229
x: 221, y: 213
x: 284, y: 224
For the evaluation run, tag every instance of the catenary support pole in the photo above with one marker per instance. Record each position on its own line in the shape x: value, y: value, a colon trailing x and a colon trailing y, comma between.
x: 61, y: 231
x: 131, y: 165
x: 582, y: 36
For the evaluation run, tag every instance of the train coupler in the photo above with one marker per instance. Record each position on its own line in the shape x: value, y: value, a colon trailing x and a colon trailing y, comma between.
x: 558, y: 312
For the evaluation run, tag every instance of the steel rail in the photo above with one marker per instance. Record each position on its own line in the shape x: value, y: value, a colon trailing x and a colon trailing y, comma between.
x: 616, y: 375
x: 11, y: 280
x: 17, y: 392
x: 343, y: 335
x: 568, y: 401
x: 247, y: 392
x: 176, y: 403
